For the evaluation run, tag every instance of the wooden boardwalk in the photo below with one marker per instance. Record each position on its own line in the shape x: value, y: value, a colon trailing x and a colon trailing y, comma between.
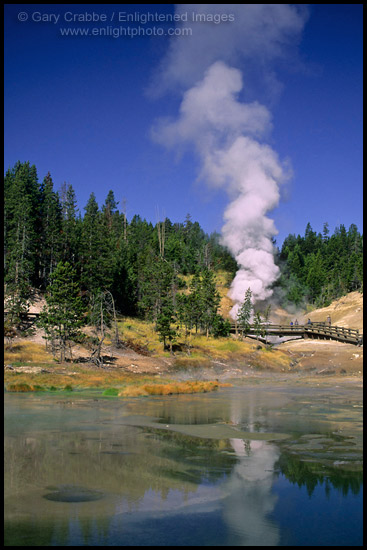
x: 26, y: 318
x: 310, y: 330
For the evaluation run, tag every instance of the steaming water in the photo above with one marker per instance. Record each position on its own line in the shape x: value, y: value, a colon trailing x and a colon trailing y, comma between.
x: 244, y: 466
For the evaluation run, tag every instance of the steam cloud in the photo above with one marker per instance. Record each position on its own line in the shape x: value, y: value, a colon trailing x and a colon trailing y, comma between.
x: 227, y: 133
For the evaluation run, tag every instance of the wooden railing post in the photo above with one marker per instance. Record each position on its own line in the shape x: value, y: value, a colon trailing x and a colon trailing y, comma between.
x: 315, y: 329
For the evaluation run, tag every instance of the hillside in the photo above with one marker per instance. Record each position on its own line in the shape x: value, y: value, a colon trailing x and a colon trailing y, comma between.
x: 347, y: 312
x: 327, y: 357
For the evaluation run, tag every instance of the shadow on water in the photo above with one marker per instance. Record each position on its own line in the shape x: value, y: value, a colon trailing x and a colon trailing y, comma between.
x: 239, y: 467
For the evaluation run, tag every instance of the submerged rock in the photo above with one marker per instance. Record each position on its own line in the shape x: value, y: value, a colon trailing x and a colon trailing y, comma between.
x: 72, y: 493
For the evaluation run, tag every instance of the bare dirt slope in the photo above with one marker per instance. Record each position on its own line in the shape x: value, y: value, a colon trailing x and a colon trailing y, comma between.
x: 327, y: 356
x: 347, y: 312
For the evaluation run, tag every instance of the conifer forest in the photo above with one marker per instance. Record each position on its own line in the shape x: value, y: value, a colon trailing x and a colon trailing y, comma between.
x: 52, y: 244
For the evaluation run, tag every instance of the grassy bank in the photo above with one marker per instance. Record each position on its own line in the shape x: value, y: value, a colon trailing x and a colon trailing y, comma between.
x: 198, y: 350
x: 26, y: 352
x: 109, y: 384
x: 32, y: 368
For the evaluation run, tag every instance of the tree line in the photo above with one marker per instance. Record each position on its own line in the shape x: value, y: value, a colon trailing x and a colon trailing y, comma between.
x: 320, y: 267
x: 142, y: 266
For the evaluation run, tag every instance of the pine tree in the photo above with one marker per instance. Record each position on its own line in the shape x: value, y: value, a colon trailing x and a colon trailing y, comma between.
x: 194, y: 302
x: 325, y: 231
x: 309, y: 242
x: 22, y: 235
x: 164, y: 326
x: 110, y: 208
x: 156, y: 285
x: 62, y: 317
x: 315, y: 275
x: 51, y: 220
x: 244, y: 313
x: 111, y: 239
x: 93, y: 262
x: 210, y: 299
x: 71, y: 225
x: 258, y: 325
x: 221, y: 327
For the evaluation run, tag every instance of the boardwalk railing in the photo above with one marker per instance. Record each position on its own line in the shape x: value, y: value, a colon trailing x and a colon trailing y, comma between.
x: 309, y: 330
x: 25, y: 317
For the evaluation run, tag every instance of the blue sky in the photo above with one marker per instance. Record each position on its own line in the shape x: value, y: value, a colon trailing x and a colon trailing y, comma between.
x: 79, y: 107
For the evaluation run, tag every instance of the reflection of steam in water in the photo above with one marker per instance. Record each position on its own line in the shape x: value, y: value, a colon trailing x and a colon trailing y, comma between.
x: 251, y: 410
x: 148, y: 473
x: 250, y: 499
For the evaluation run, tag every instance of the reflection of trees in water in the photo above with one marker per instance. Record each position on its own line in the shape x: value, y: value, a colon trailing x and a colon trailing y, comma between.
x: 194, y: 458
x: 311, y: 474
x: 124, y: 462
x: 127, y: 463
x: 133, y: 463
x: 25, y: 533
x: 56, y: 530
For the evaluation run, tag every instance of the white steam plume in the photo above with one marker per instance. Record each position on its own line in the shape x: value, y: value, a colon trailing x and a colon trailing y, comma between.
x: 227, y: 133
x: 224, y: 133
x: 254, y: 37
